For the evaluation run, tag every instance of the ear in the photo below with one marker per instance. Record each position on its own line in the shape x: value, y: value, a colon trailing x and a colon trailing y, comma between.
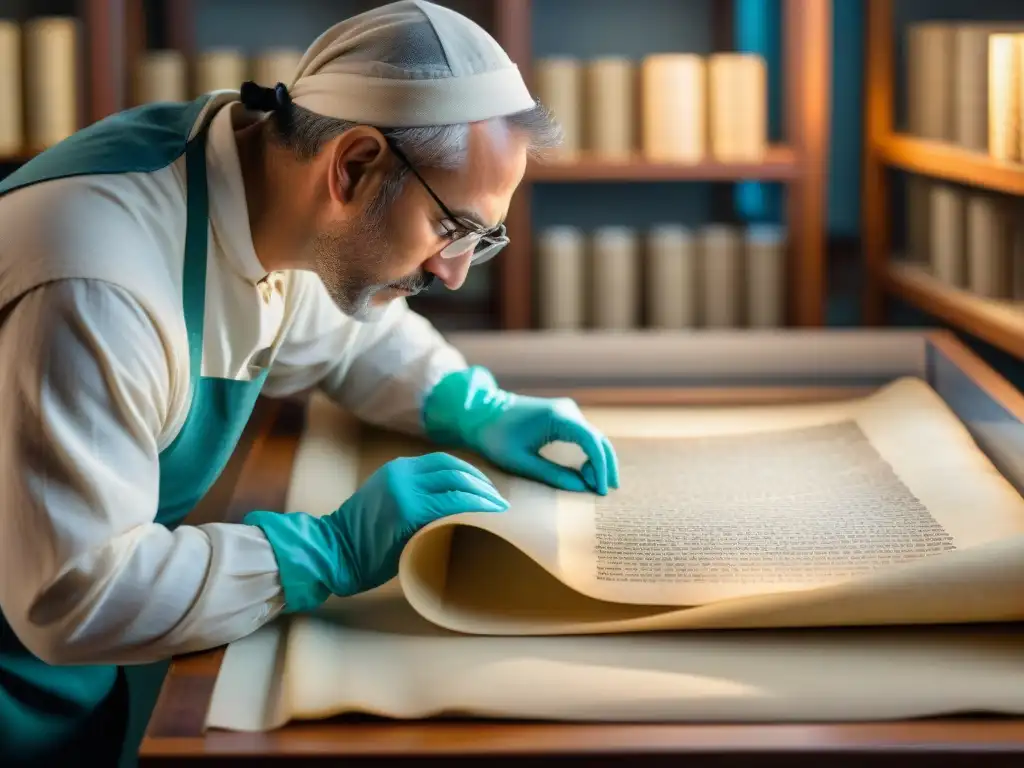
x: 358, y: 163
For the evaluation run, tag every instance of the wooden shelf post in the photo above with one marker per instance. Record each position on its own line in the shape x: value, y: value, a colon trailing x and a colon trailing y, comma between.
x: 807, y: 40
x: 105, y: 32
x: 514, y: 273
x: 878, y: 124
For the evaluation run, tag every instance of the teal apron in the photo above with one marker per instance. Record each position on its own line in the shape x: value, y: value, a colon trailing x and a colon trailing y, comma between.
x: 63, y: 715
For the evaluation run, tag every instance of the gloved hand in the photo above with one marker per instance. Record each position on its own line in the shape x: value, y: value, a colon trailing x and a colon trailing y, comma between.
x: 467, y: 410
x: 356, y: 548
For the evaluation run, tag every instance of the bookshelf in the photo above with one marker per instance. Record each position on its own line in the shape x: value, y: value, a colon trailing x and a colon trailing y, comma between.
x: 1000, y: 323
x: 780, y: 164
x: 101, y: 63
x: 800, y: 164
x: 120, y: 28
x: 944, y: 161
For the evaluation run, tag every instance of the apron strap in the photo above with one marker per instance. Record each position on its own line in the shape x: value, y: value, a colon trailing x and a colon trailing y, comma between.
x: 194, y: 272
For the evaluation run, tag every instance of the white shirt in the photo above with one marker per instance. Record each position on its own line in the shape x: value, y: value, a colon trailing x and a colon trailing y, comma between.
x: 94, y: 384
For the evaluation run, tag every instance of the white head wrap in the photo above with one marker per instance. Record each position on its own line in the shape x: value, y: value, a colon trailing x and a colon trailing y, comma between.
x: 407, y: 64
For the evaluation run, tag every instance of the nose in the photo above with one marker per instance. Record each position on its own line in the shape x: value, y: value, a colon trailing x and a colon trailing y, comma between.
x: 452, y: 272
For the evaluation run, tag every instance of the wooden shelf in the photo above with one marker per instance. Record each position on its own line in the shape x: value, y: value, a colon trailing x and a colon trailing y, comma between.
x: 946, y: 161
x: 780, y: 164
x: 1000, y: 323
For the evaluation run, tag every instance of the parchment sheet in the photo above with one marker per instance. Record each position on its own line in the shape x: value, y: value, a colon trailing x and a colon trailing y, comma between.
x: 755, y: 483
x: 376, y: 654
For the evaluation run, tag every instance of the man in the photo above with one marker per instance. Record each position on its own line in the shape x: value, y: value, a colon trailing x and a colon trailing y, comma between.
x: 162, y: 268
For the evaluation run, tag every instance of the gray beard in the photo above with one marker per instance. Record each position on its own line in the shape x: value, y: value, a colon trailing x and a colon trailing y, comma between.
x: 349, y: 263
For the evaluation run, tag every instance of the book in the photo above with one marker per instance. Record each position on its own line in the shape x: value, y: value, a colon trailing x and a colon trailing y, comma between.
x: 1004, y: 94
x: 828, y: 532
x: 929, y: 115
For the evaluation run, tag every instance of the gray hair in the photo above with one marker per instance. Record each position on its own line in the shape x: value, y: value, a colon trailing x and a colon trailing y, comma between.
x: 441, y: 146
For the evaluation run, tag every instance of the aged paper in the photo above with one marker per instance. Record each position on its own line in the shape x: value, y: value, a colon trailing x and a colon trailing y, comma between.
x: 776, y: 515
x: 913, y: 526
x: 376, y: 653
x: 805, y: 506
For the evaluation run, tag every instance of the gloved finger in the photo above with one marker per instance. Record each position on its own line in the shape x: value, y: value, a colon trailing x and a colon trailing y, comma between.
x: 454, y: 480
x: 612, y: 460
x: 589, y: 441
x: 440, y: 461
x: 540, y: 469
x: 460, y: 502
x: 589, y: 476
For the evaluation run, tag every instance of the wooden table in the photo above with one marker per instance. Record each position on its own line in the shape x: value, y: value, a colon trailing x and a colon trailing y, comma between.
x: 259, y: 478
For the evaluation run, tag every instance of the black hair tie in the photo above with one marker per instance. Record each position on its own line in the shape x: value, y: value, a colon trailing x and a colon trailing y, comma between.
x: 261, y: 99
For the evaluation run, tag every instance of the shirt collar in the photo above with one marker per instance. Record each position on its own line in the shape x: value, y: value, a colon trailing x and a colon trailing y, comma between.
x: 229, y: 213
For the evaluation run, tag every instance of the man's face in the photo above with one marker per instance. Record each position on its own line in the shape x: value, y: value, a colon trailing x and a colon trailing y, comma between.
x: 368, y: 253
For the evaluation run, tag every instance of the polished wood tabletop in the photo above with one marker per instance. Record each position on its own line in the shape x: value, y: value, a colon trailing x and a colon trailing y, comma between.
x: 258, y: 478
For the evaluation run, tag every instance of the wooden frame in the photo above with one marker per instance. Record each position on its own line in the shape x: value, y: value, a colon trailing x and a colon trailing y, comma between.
x: 997, y: 322
x: 177, y: 736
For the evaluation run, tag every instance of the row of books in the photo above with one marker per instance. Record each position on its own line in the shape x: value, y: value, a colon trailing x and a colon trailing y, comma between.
x: 965, y: 87
x: 39, y: 82
x: 169, y: 75
x: 41, y: 87
x: 666, y: 277
x: 671, y: 107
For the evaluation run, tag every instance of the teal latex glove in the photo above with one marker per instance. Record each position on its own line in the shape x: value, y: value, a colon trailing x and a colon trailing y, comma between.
x: 467, y: 409
x: 357, y: 547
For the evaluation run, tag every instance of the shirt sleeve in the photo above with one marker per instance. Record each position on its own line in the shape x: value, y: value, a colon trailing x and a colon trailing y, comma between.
x: 380, y: 371
x: 86, y: 575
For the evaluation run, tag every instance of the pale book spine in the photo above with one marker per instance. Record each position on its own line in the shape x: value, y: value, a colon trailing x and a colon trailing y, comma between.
x: 914, y: 63
x: 277, y: 65
x: 1020, y: 94
x: 936, y: 81
x: 220, y: 70
x: 51, y: 80
x: 12, y: 131
x: 561, y: 268
x: 1004, y: 122
x: 616, y: 271
x: 161, y: 76
x: 721, y: 264
x: 970, y: 87
x: 947, y: 215
x: 766, y: 276
x: 674, y: 108
x: 671, y: 277
x: 990, y: 233
x: 560, y: 88
x: 610, y: 108
x: 916, y: 187
x: 738, y: 107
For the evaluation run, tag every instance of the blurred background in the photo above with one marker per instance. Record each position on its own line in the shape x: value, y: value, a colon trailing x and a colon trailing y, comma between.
x: 728, y: 163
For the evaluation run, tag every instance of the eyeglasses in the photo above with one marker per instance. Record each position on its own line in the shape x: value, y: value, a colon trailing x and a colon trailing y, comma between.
x: 484, y: 243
